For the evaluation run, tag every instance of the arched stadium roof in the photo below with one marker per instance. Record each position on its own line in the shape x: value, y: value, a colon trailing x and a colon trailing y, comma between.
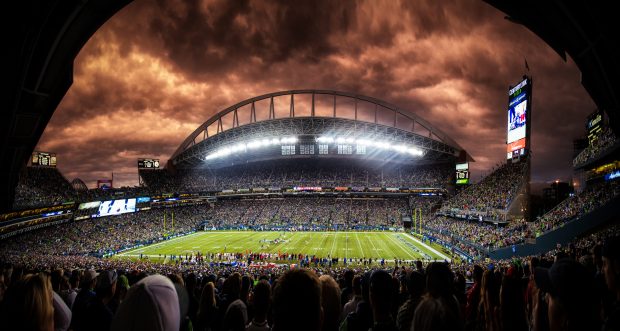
x: 340, y: 113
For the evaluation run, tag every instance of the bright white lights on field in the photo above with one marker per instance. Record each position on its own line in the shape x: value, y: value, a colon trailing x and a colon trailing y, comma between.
x: 386, y: 145
x: 250, y: 145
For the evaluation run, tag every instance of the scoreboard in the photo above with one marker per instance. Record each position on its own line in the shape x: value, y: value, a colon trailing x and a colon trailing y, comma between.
x: 148, y: 163
x: 594, y: 126
x: 519, y: 114
x: 462, y: 173
x: 43, y: 159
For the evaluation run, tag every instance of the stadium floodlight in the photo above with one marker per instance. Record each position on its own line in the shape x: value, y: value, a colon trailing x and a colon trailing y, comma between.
x: 253, y: 144
x: 371, y: 141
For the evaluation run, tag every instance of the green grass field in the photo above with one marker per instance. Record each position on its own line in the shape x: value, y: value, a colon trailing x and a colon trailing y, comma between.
x: 375, y: 245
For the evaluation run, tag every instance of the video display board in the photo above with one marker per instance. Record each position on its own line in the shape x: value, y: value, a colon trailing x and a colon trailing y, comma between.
x: 148, y: 163
x: 43, y: 159
x: 89, y: 205
x: 519, y: 108
x: 462, y: 173
x: 594, y: 126
x: 115, y: 207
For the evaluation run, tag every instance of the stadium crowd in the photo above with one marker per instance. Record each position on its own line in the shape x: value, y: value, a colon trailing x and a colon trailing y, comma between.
x: 475, y: 237
x: 494, y: 192
x: 44, y: 187
x: 480, y: 234
x: 307, y: 214
x: 105, y: 235
x: 606, y: 140
x: 290, y: 174
x: 40, y: 187
x: 586, y: 201
x: 576, y: 287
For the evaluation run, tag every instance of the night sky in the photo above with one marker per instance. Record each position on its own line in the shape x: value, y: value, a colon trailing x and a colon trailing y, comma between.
x: 158, y: 69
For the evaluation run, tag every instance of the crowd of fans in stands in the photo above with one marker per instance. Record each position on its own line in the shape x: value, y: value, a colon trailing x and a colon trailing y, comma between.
x: 494, y: 192
x: 606, y: 140
x: 480, y: 234
x: 39, y: 187
x: 576, y: 287
x: 308, y: 214
x: 283, y: 174
x: 44, y: 187
x: 105, y: 235
x: 590, y: 199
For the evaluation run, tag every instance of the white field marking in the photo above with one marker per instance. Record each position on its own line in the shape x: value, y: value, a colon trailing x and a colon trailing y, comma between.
x: 400, y: 245
x: 161, y: 243
x: 373, y: 245
x: 441, y: 255
x: 360, y: 245
x: 331, y: 251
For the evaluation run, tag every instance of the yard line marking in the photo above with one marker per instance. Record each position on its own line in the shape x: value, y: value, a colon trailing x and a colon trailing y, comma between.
x: 360, y: 245
x: 331, y: 251
x: 429, y: 248
x: 399, y: 245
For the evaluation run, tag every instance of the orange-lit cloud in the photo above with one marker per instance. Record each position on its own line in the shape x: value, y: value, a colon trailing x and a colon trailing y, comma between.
x: 157, y: 70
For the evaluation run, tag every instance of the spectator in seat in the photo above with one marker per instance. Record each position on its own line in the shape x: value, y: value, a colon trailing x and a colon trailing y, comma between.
x: 473, y: 299
x: 416, y: 285
x: 98, y: 313
x: 330, y: 301
x: 151, y: 304
x: 350, y: 306
x: 570, y: 296
x: 260, y: 301
x: 434, y: 314
x: 381, y: 296
x: 83, y: 300
x: 297, y: 302
x: 28, y: 305
x: 611, y: 270
x: 207, y: 309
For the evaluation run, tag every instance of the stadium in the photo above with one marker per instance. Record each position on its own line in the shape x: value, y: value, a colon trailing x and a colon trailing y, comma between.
x: 335, y: 207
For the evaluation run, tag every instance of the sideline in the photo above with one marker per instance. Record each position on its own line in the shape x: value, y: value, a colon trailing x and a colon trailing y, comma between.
x: 428, y: 247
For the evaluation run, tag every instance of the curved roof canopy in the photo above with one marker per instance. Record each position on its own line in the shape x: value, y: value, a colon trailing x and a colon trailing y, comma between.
x: 324, y: 111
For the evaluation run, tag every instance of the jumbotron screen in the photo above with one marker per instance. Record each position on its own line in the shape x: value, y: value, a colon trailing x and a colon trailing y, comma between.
x: 519, y: 104
x: 115, y: 207
x: 462, y: 173
x: 44, y: 159
x: 148, y: 163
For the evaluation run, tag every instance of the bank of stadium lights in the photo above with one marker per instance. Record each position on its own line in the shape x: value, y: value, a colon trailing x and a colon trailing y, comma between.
x: 372, y: 143
x: 250, y: 145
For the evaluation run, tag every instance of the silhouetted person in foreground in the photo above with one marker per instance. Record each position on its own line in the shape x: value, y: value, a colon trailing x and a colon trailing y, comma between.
x: 297, y: 302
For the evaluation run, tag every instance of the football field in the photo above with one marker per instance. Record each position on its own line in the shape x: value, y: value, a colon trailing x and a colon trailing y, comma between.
x: 356, y: 245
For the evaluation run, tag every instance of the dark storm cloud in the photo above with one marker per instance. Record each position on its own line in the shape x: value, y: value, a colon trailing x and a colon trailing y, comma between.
x: 157, y: 70
x: 211, y: 38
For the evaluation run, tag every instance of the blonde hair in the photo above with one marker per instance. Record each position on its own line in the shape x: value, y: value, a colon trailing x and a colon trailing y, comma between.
x: 29, y: 304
